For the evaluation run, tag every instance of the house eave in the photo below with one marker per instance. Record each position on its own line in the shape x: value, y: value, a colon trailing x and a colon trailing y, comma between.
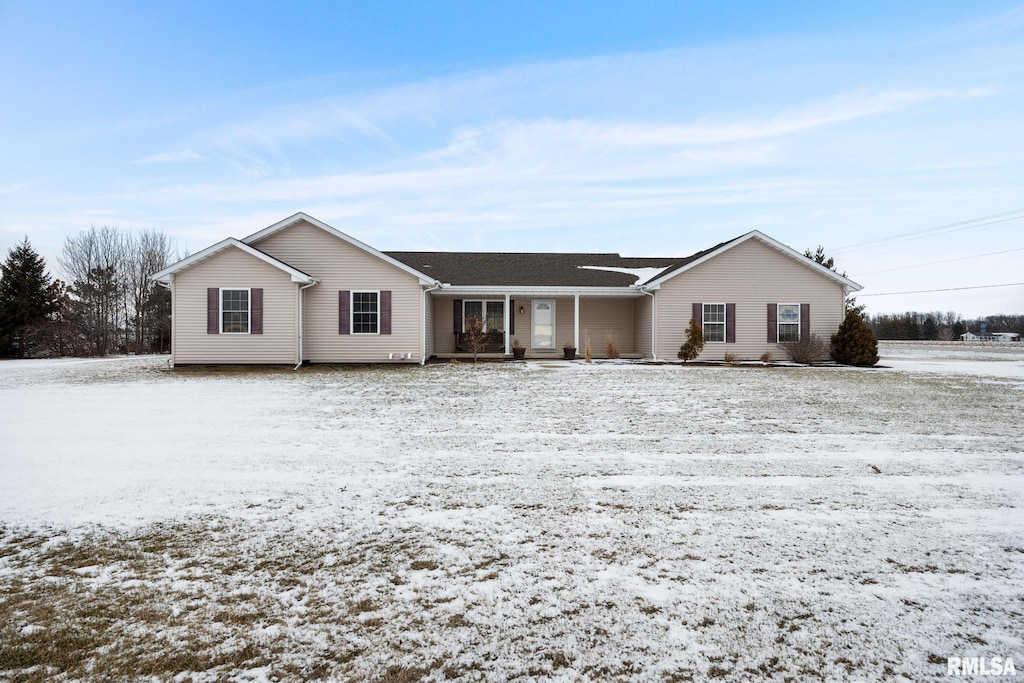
x: 525, y: 290
x: 166, y: 276
x: 847, y: 284
x: 302, y: 216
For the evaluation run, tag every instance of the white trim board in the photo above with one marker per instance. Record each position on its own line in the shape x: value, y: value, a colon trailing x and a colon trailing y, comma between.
x: 167, y: 274
x: 301, y: 216
x: 848, y: 285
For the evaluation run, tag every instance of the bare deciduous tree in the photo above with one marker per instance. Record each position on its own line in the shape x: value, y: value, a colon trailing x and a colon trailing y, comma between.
x: 114, y: 302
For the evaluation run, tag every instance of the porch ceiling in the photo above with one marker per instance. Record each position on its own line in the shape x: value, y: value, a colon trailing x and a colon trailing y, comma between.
x: 498, y: 292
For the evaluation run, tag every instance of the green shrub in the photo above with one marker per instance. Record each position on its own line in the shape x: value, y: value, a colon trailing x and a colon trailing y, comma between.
x: 854, y: 343
x: 694, y: 343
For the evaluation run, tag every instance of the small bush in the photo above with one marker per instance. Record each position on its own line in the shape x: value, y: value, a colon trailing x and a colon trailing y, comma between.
x: 730, y: 358
x: 611, y: 348
x: 588, y: 353
x: 806, y: 350
x: 767, y: 357
x: 694, y: 343
x: 474, y: 338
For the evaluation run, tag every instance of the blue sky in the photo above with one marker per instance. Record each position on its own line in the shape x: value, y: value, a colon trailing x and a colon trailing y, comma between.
x: 639, y: 128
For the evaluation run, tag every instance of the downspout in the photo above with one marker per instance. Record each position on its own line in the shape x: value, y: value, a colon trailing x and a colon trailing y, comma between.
x: 299, y: 365
x: 654, y: 323
x: 423, y: 321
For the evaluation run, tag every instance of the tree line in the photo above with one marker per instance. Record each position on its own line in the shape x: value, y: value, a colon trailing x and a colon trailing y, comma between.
x: 914, y: 325
x: 938, y: 326
x: 107, y: 303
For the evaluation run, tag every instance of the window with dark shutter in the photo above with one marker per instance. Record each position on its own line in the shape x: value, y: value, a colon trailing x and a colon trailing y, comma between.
x: 730, y: 323
x: 234, y: 311
x: 385, y: 312
x: 344, y: 311
x: 256, y: 311
x: 773, y: 323
x: 789, y: 322
x: 365, y: 312
x: 213, y: 310
x: 713, y: 322
x: 457, y: 316
x: 805, y: 321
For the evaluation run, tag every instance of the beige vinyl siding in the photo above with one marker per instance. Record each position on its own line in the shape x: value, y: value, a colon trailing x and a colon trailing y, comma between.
x: 233, y: 268
x: 750, y: 275
x: 339, y: 266
x: 607, y: 318
x: 428, y: 325
x: 444, y: 325
x: 642, y: 310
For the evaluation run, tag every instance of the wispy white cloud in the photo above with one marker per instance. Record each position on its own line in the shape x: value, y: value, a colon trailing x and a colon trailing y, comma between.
x: 180, y: 157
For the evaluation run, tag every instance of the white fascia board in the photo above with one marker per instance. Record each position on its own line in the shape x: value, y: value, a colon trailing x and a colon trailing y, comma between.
x: 490, y: 290
x: 301, y: 216
x: 848, y: 285
x: 166, y: 275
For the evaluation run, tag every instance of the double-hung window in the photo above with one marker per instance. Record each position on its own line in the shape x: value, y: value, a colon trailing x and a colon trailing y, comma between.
x: 365, y: 312
x: 490, y: 313
x: 789, y: 322
x: 234, y: 311
x: 714, y: 322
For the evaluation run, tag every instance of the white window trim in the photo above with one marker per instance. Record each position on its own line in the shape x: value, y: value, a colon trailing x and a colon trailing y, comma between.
x: 352, y: 311
x: 724, y: 323
x: 483, y: 309
x: 779, y: 323
x: 554, y: 325
x: 220, y: 306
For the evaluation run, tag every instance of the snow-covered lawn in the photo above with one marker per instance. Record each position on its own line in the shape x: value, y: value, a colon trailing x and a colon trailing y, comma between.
x: 512, y: 521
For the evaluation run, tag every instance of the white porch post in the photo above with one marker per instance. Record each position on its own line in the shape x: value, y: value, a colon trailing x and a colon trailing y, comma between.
x: 576, y: 321
x: 507, y: 328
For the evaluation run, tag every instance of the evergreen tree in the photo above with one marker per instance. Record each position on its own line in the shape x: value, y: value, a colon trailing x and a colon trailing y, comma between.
x: 27, y: 297
x: 929, y: 330
x: 830, y: 263
x: 854, y: 343
x: 694, y: 343
x: 819, y: 257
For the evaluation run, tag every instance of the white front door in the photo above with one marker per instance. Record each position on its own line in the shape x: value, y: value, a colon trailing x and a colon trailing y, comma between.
x: 543, y: 319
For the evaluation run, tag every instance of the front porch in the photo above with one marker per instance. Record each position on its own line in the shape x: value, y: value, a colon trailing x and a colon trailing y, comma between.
x: 543, y: 322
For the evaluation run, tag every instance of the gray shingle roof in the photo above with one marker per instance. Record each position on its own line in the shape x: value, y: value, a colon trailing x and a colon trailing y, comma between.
x: 492, y: 269
x: 495, y: 269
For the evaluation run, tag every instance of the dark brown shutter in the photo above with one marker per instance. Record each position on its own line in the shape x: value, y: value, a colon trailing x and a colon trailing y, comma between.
x: 256, y: 310
x: 385, y: 312
x: 805, y: 321
x: 212, y: 310
x: 457, y: 316
x: 511, y: 316
x: 344, y: 311
x: 698, y: 314
x: 730, y: 323
x: 773, y: 323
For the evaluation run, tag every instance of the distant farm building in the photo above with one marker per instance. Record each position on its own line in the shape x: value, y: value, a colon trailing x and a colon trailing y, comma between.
x: 992, y: 337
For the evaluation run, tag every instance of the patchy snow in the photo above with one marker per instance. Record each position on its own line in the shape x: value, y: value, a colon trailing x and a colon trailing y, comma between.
x: 979, y: 359
x: 544, y: 521
x: 642, y: 274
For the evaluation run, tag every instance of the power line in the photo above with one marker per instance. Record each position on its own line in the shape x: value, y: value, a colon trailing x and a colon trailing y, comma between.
x: 948, y: 289
x: 937, y: 230
x: 933, y: 263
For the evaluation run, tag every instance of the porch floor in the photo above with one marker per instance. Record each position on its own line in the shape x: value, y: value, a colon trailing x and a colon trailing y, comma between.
x: 530, y: 355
